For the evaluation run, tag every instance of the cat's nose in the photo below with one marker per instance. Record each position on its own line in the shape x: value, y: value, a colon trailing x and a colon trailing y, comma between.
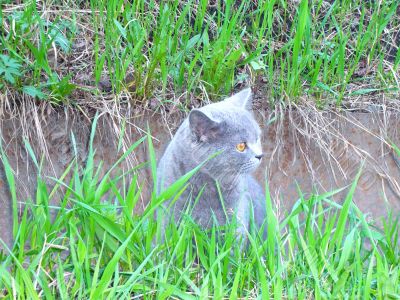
x: 259, y: 156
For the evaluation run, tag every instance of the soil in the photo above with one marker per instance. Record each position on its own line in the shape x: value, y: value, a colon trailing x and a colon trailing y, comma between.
x: 314, y: 150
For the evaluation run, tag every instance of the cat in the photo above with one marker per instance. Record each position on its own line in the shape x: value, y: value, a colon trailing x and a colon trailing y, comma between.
x: 229, y: 129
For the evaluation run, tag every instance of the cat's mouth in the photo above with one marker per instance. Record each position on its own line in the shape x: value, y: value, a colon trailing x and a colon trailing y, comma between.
x: 249, y: 167
x: 230, y: 179
x: 229, y: 176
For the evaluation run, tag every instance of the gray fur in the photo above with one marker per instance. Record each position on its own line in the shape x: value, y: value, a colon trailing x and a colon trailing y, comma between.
x: 217, y: 127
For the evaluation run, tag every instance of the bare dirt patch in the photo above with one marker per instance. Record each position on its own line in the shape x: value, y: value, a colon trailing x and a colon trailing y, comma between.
x: 316, y: 151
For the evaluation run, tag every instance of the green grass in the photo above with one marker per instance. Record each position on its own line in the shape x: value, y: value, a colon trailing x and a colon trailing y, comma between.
x: 327, y: 50
x: 92, y: 245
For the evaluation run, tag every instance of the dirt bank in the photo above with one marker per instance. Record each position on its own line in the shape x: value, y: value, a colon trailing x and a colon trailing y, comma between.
x: 305, y: 148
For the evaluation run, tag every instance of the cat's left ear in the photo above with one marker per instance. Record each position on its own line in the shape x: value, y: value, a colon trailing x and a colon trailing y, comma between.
x: 243, y: 99
x: 204, y: 127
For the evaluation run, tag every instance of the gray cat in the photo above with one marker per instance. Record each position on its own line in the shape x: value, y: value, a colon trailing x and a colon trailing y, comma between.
x: 227, y: 128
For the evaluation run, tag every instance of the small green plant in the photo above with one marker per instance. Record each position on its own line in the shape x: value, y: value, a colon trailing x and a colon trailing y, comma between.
x: 10, y: 70
x: 27, y: 66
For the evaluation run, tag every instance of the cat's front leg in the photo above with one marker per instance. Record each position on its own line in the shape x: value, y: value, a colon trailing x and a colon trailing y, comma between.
x: 242, y: 220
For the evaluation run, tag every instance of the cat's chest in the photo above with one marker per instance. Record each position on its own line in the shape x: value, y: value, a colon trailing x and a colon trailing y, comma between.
x: 210, y: 199
x: 211, y: 193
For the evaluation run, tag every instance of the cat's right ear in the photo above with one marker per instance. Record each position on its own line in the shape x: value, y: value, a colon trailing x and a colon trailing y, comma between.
x: 243, y: 99
x: 202, y: 126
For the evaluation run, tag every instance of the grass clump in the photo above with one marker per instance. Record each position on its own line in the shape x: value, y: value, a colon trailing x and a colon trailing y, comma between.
x: 142, y: 50
x: 92, y: 245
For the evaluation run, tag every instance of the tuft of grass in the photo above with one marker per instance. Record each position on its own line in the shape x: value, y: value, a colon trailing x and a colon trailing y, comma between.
x: 93, y: 245
x: 329, y: 51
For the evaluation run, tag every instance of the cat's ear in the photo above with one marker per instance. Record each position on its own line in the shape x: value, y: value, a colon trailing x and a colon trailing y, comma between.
x: 242, y: 99
x: 203, y: 127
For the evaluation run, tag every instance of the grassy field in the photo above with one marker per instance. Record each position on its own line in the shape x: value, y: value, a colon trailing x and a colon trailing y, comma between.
x: 156, y: 54
x: 162, y: 51
x: 92, y: 246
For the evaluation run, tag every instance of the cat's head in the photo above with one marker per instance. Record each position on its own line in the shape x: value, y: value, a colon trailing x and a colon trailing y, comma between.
x: 227, y: 127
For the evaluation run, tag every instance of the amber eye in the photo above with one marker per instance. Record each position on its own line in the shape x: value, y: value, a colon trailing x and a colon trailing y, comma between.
x: 241, y: 147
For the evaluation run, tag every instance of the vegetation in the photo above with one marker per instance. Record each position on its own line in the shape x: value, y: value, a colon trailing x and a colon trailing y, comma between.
x: 92, y: 245
x: 144, y: 50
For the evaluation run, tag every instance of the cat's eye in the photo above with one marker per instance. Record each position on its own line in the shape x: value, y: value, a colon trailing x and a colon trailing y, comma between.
x: 241, y: 147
